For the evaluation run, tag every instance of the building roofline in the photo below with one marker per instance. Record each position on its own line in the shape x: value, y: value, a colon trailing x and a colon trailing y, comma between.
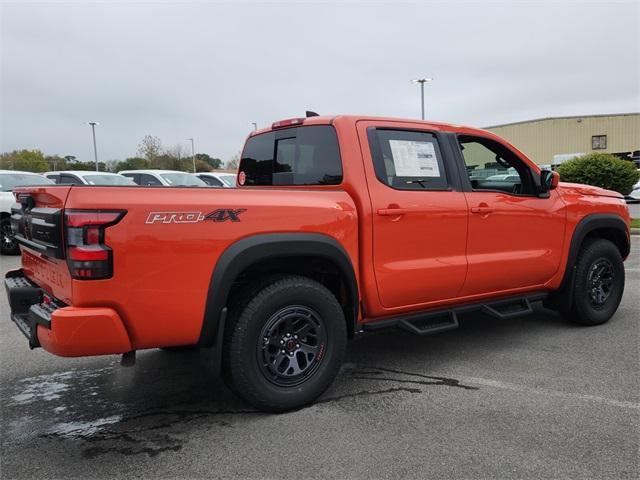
x: 563, y: 118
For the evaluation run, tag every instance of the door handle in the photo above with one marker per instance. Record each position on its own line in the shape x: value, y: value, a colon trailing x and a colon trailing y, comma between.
x: 392, y: 211
x: 482, y: 209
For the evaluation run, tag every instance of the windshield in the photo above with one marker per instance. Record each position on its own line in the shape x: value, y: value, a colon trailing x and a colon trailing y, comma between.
x: 9, y: 181
x: 229, y: 180
x: 182, y: 180
x: 107, y: 180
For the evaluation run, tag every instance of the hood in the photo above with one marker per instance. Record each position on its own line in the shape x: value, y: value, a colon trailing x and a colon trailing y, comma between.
x: 581, y: 189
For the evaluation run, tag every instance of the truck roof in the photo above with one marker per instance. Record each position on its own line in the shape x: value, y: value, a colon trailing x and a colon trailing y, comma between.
x: 330, y: 119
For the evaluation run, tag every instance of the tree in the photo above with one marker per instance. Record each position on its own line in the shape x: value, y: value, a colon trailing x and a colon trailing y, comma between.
x: 56, y: 162
x: 214, y: 163
x: 167, y: 161
x: 150, y: 148
x: 90, y: 165
x: 202, y: 166
x: 234, y: 162
x: 601, y: 170
x: 26, y: 160
x: 133, y: 163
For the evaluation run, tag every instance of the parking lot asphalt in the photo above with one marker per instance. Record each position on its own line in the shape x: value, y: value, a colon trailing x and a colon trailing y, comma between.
x: 534, y: 397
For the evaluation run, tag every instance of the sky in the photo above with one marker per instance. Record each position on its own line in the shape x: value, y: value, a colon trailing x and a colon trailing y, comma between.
x: 205, y: 70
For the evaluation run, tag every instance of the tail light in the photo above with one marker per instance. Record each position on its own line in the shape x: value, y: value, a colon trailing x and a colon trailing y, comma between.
x: 88, y: 257
x: 289, y: 122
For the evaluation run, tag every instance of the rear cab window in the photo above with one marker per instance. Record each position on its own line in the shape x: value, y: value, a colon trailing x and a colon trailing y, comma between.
x: 307, y: 155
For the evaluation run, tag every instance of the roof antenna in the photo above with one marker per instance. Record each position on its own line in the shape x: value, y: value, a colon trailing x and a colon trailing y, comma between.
x: 309, y: 113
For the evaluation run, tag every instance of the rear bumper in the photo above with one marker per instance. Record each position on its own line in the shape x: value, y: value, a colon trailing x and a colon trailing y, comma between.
x: 63, y: 330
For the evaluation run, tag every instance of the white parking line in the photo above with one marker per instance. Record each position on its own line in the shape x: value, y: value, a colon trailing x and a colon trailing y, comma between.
x: 553, y: 393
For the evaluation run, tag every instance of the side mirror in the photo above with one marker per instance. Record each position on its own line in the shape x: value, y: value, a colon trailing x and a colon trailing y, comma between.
x: 548, y: 180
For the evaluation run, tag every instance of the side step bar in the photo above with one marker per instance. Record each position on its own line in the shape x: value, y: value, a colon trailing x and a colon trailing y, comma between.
x: 427, y: 324
x: 435, y: 321
x: 508, y: 308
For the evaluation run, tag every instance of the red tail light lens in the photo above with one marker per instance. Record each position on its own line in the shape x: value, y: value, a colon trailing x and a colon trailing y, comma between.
x: 289, y: 122
x: 88, y: 257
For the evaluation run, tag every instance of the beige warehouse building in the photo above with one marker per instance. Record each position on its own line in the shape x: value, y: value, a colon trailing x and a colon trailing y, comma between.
x: 560, y: 138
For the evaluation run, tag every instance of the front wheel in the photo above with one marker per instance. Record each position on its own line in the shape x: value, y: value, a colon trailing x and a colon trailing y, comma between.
x: 284, y: 348
x: 598, y: 285
x: 8, y: 243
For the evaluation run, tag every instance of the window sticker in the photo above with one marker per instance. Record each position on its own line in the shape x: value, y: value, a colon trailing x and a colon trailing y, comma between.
x: 414, y: 159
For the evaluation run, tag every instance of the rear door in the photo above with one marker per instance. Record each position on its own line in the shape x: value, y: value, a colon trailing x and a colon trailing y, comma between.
x: 419, y: 213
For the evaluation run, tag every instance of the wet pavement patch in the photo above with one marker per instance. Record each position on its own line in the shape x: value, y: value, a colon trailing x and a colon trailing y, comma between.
x: 120, y: 411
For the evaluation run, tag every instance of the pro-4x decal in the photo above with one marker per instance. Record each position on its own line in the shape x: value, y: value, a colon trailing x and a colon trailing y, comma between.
x: 223, y: 214
x: 219, y: 215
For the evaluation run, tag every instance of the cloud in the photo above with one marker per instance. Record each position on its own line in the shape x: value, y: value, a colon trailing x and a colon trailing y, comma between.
x: 205, y: 70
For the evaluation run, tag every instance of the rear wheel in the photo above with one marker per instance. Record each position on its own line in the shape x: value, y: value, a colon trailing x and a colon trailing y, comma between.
x: 598, y: 285
x: 8, y: 243
x: 284, y: 347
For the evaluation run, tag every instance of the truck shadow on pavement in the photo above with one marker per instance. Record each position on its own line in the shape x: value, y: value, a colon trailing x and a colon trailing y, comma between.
x: 152, y: 408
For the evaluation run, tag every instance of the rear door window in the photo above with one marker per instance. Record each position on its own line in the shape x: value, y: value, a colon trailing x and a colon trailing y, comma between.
x: 148, y: 180
x: 70, y: 180
x: 211, y: 181
x: 293, y: 156
x: 408, y: 159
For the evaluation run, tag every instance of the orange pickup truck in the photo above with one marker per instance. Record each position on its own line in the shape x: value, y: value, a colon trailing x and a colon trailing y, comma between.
x: 339, y: 225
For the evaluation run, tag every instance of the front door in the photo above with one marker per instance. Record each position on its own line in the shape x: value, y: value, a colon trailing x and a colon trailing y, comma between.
x: 515, y: 237
x: 419, y: 214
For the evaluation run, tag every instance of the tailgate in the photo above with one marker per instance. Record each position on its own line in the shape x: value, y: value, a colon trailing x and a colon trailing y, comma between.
x: 37, y: 219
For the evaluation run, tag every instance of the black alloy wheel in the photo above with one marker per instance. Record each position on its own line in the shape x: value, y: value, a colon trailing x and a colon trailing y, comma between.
x: 291, y: 345
x: 8, y: 242
x: 600, y: 282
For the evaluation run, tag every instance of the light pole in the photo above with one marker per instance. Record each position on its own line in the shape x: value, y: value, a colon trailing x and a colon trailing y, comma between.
x: 193, y: 154
x: 95, y: 149
x: 255, y: 125
x: 422, y: 81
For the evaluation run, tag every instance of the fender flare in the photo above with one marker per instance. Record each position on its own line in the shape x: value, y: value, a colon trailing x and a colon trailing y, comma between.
x: 562, y: 298
x: 250, y: 250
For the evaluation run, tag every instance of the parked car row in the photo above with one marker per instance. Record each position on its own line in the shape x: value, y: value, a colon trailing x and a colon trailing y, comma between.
x: 10, y: 179
x: 166, y: 178
x: 82, y: 177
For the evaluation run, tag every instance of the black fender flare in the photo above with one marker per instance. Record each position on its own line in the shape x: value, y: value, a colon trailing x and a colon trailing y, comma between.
x: 562, y: 298
x: 250, y: 250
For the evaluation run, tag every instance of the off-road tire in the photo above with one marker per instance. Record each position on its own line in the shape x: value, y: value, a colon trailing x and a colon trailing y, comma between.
x: 594, y: 254
x: 243, y: 368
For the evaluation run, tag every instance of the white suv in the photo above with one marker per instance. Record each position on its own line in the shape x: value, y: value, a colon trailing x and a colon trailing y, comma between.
x: 10, y: 179
x: 87, y: 177
x: 218, y: 179
x: 166, y: 178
